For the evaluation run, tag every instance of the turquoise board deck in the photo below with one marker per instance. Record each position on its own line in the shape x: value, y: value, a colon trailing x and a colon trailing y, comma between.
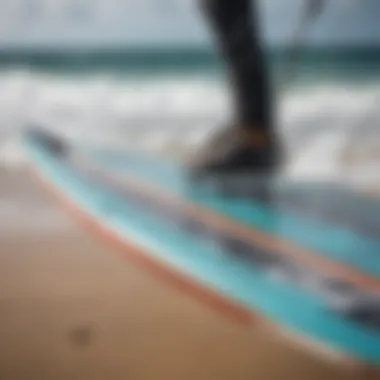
x: 343, y: 316
x: 339, y: 224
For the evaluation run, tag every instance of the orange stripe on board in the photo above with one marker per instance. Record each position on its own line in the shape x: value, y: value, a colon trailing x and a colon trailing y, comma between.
x: 214, y: 300
x: 329, y: 267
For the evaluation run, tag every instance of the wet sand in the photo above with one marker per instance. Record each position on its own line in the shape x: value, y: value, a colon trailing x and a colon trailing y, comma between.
x: 73, y: 308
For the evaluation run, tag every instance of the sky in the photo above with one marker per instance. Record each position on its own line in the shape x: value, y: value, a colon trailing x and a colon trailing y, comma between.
x: 162, y: 22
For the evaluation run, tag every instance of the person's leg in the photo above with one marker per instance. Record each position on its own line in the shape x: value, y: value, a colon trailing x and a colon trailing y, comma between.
x: 250, y: 142
x: 235, y: 26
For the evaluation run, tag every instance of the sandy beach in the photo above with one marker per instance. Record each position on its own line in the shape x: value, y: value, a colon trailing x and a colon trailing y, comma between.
x: 72, y: 308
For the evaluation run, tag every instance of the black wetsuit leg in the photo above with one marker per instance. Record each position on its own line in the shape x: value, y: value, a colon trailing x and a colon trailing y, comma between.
x: 235, y: 25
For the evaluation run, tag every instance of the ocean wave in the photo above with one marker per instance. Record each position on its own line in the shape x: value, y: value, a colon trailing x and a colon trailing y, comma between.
x: 319, y: 122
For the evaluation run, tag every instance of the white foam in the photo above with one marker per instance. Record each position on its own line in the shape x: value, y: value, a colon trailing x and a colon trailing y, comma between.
x: 162, y: 112
x: 11, y: 154
x: 319, y: 160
